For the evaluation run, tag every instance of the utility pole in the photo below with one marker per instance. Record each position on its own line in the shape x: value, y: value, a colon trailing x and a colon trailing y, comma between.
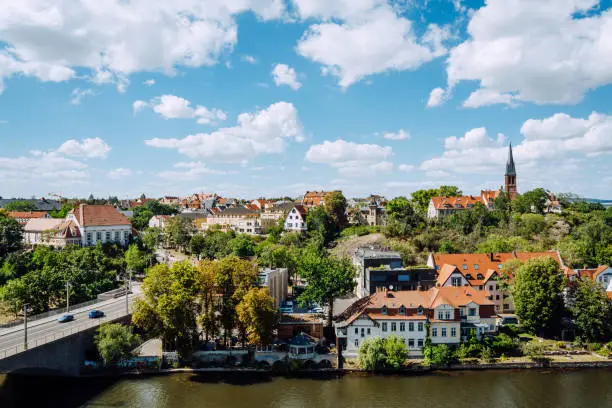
x: 67, y: 296
x: 128, y: 284
x: 25, y: 326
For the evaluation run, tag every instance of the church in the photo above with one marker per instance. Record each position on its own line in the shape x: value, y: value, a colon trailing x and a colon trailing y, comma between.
x: 442, y: 206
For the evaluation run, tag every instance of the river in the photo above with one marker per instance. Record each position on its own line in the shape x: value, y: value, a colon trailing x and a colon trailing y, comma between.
x: 479, y: 389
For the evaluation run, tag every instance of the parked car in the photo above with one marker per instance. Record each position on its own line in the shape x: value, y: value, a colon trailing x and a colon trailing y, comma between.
x: 505, y: 319
x: 66, y: 318
x: 287, y: 307
x: 316, y: 309
x: 94, y: 314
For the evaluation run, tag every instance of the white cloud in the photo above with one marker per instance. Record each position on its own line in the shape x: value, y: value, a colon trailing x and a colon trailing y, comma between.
x: 86, y: 148
x: 149, y: 82
x: 436, y: 98
x: 326, y: 10
x: 49, y: 40
x: 399, y: 135
x: 78, y: 95
x: 249, y: 58
x: 372, y: 39
x: 486, y: 97
x: 263, y: 132
x: 352, y: 159
x: 548, y: 51
x: 285, y: 75
x: 188, y: 171
x: 120, y: 173
x: 175, y: 107
x: 405, y: 167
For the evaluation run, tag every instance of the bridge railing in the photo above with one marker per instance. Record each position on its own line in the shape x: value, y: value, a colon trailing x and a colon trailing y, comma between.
x: 71, y: 328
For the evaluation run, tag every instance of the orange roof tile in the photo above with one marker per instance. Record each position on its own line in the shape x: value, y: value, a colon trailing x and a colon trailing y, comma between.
x: 99, y: 215
x: 27, y: 214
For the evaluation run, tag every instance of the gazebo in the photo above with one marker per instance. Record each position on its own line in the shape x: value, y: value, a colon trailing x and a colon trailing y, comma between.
x: 302, y: 347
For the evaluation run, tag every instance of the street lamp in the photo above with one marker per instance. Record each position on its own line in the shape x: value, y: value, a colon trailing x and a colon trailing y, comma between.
x: 25, y: 325
x: 68, y: 286
x: 128, y: 284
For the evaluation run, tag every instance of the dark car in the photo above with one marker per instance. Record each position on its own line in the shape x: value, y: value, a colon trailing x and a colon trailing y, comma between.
x: 94, y: 314
x: 66, y: 318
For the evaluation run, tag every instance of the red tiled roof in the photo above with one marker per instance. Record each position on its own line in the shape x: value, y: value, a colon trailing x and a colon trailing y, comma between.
x: 27, y: 214
x: 99, y: 215
x: 302, y: 210
x: 592, y: 273
x: 460, y: 202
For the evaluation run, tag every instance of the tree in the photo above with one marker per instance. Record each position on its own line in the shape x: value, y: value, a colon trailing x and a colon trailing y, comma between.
x: 537, y: 292
x: 11, y: 235
x: 242, y: 246
x: 279, y: 256
x: 438, y: 355
x: 320, y: 224
x: 16, y: 264
x: 592, y: 311
x: 257, y: 313
x: 20, y: 205
x: 531, y: 201
x: 152, y: 238
x: 197, y: 243
x: 328, y: 278
x: 335, y: 207
x: 178, y: 231
x: 395, y: 352
x: 402, y: 217
x: 135, y: 260
x: 371, y: 355
x: 115, y: 342
x: 421, y: 198
x: 168, y: 306
x: 62, y: 212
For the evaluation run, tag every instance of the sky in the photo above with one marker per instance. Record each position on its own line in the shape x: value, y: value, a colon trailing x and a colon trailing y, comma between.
x: 252, y: 98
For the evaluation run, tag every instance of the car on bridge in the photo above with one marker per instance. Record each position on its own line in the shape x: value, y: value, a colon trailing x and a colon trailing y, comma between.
x: 66, y: 318
x: 94, y: 314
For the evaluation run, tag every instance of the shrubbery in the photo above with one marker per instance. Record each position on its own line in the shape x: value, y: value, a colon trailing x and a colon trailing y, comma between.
x: 382, y: 354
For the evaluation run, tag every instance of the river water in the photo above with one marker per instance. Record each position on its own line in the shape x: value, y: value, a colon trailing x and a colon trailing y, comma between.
x: 490, y: 389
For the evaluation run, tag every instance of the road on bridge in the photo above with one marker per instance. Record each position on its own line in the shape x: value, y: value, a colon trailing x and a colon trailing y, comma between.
x: 49, y: 329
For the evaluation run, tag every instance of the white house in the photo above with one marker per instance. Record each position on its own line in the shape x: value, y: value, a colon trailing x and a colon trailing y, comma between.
x: 296, y: 219
x: 101, y: 223
x: 159, y: 221
x: 57, y: 232
x: 453, y: 313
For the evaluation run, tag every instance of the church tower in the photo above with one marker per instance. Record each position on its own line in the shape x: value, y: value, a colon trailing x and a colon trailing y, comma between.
x: 510, y: 178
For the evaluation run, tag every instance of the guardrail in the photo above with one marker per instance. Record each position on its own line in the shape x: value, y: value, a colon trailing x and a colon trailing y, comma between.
x: 49, y: 313
x: 74, y: 327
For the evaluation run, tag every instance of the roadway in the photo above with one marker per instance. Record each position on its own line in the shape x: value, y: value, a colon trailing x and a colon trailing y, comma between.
x: 49, y: 329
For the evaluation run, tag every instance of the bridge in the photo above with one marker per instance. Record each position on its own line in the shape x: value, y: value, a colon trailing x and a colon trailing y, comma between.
x: 54, y: 347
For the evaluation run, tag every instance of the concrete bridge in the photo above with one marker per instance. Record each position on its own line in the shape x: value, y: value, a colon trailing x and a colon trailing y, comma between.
x: 57, y: 348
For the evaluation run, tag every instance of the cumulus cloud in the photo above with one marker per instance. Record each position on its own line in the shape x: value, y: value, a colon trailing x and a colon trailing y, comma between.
x: 486, y: 97
x: 547, y: 51
x: 175, y: 107
x: 49, y: 40
x: 120, y: 173
x: 266, y: 131
x: 285, y: 75
x: 406, y: 167
x: 78, y: 95
x: 149, y: 82
x: 188, y: 171
x: 371, y: 38
x: 86, y: 148
x: 399, y: 135
x: 352, y: 159
x: 249, y: 59
x: 436, y: 97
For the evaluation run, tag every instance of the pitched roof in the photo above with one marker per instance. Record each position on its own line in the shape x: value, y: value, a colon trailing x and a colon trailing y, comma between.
x: 301, y: 210
x: 27, y: 214
x: 43, y: 224
x: 460, y: 296
x: 99, y: 215
x: 592, y: 273
x: 510, y: 169
x: 459, y: 202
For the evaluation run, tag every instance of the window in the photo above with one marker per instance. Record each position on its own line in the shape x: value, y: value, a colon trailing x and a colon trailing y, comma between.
x: 290, y: 225
x: 462, y: 311
x: 496, y: 297
x: 116, y: 235
x: 420, y: 327
x: 411, y: 343
x: 499, y: 266
x: 456, y: 281
x: 384, y: 310
x: 453, y: 332
x: 480, y: 287
x: 89, y: 237
x: 490, y: 288
x: 434, y: 332
x: 497, y: 308
x: 476, y: 266
x: 384, y: 327
x: 468, y: 276
x: 464, y: 267
x: 108, y: 236
x: 420, y: 310
x: 402, y: 326
x: 368, y: 331
x: 411, y: 326
x: 420, y: 342
x: 479, y: 276
x: 444, y: 332
x: 393, y: 326
x: 356, y: 342
x: 356, y: 330
x: 440, y: 315
x: 125, y: 235
x: 472, y: 311
x: 98, y: 236
x: 402, y: 310
x: 447, y: 315
x: 362, y: 332
x: 506, y: 306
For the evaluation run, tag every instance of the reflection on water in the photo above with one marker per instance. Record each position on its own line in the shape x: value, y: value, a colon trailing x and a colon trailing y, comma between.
x: 498, y: 389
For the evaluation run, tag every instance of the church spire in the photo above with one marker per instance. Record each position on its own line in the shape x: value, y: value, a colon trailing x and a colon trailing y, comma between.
x: 510, y: 169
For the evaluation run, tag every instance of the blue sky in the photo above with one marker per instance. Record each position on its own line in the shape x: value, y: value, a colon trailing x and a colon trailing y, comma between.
x: 256, y: 98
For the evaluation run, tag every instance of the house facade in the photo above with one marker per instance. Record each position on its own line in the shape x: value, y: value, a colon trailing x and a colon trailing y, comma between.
x: 296, y: 219
x: 315, y: 198
x: 452, y: 314
x: 441, y: 206
x: 277, y: 282
x: 602, y: 275
x: 159, y: 221
x: 101, y: 223
x: 51, y: 232
x: 23, y: 217
x: 238, y: 219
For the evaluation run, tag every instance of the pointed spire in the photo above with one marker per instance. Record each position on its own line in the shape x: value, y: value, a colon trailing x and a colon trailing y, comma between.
x: 510, y: 170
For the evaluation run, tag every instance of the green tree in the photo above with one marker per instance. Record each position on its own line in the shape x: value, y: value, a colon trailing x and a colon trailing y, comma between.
x: 257, y: 313
x: 242, y: 246
x: 335, y: 207
x: 592, y: 311
x: 63, y: 211
x: 395, y: 352
x: 421, y: 198
x: 16, y: 264
x: 115, y: 342
x: 532, y: 201
x: 402, y: 217
x: 20, y: 205
x: 152, y: 238
x: 328, y: 278
x: 377, y: 354
x: 537, y: 292
x: 178, y: 231
x: 438, y: 355
x: 533, y: 224
x: 197, y: 243
x: 135, y: 259
x: 11, y: 235
x: 320, y: 224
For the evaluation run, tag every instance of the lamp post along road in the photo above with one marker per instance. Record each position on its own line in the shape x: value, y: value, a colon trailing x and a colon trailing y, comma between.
x: 128, y: 284
x: 67, y: 296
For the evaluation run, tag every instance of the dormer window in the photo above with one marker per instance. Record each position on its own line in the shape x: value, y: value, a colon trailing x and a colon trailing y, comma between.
x: 499, y: 266
x: 468, y: 276
x: 420, y: 310
x: 464, y: 267
x: 479, y: 276
x: 476, y: 266
x: 402, y: 310
x: 384, y: 310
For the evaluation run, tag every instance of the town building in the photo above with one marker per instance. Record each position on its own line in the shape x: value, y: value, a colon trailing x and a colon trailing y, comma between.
x: 169, y: 200
x: 452, y: 313
x: 101, y: 223
x: 483, y: 272
x: 239, y: 219
x: 23, y: 217
x: 41, y: 204
x: 296, y: 219
x: 56, y: 232
x: 510, y: 176
x: 293, y: 324
x: 315, y: 198
x: 159, y: 221
x: 277, y: 282
x: 602, y: 275
x: 383, y: 268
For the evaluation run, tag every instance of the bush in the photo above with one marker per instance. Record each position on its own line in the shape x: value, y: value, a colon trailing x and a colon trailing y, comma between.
x: 487, y: 355
x: 439, y: 355
x: 382, y: 354
x: 533, y: 349
x: 504, y: 344
x: 594, y: 346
